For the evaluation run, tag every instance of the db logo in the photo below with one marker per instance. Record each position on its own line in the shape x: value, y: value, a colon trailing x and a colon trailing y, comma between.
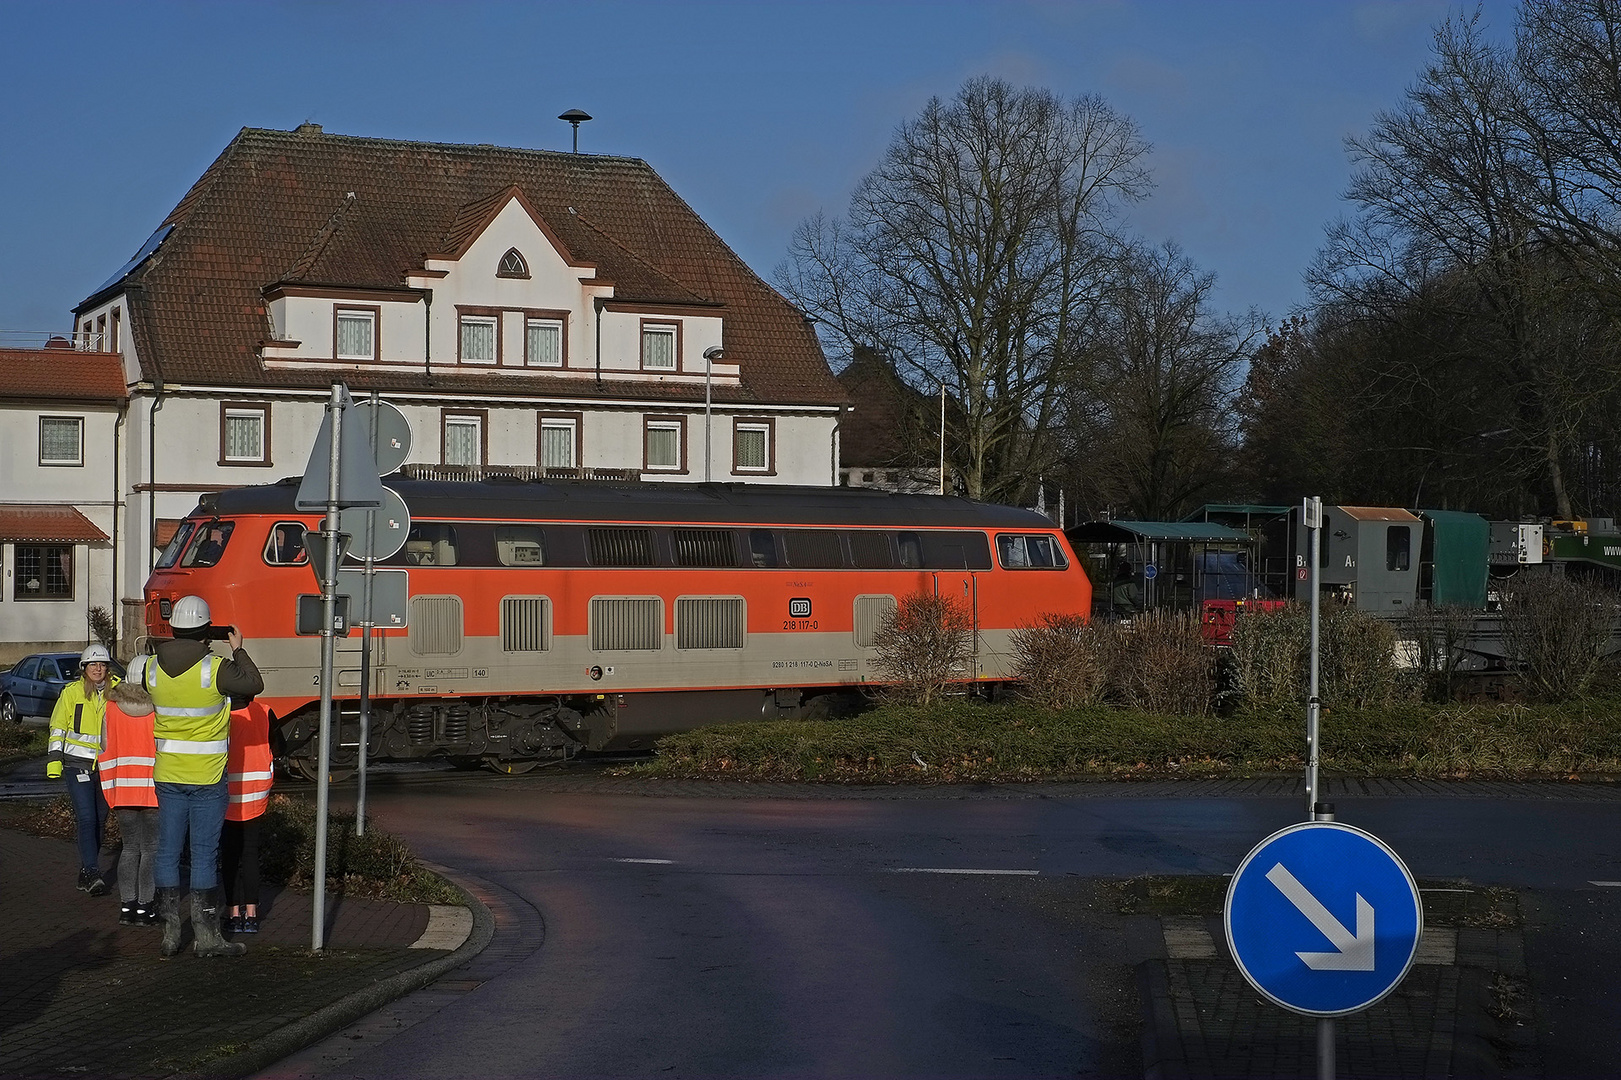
x: 799, y: 607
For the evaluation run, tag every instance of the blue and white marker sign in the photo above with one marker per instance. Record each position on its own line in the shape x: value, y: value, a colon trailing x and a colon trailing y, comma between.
x: 1323, y: 918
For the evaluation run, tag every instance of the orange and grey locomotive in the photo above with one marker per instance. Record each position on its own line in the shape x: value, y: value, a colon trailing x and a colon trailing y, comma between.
x: 543, y: 618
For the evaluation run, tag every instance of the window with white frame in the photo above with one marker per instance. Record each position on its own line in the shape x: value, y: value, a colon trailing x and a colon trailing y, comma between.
x: 557, y: 441
x: 543, y: 342
x: 242, y: 435
x: 356, y: 334
x: 464, y: 439
x: 61, y: 440
x: 658, y: 346
x: 478, y: 339
x: 664, y: 438
x: 752, y: 447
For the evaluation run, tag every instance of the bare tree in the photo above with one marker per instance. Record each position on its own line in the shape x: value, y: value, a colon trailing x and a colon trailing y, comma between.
x: 1150, y: 410
x: 1453, y: 213
x: 972, y: 257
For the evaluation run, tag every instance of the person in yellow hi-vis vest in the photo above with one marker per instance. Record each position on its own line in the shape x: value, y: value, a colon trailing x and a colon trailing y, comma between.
x: 75, y: 744
x: 191, y: 691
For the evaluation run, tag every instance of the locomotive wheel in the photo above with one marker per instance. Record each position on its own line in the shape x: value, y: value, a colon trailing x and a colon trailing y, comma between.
x: 309, y: 770
x: 512, y: 768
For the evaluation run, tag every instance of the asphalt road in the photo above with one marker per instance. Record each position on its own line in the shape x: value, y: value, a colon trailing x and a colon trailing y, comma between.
x: 687, y: 935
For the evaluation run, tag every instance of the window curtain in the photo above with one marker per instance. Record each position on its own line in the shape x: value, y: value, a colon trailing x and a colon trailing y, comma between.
x: 557, y: 446
x: 663, y: 448
x: 244, y: 436
x: 354, y: 336
x: 461, y: 444
x: 658, y: 349
x: 545, y: 344
x: 478, y: 341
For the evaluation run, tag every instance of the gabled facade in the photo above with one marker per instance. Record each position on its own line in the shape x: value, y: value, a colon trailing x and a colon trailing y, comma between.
x: 61, y: 422
x: 526, y: 310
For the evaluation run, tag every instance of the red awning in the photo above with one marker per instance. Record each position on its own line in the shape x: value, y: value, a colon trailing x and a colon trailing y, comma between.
x: 45, y: 523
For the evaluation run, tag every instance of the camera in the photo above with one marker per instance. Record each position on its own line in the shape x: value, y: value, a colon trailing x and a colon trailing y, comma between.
x: 220, y: 633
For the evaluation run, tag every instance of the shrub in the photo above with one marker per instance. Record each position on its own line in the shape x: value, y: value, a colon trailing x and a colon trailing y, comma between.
x: 102, y: 628
x: 1438, y: 634
x: 924, y: 645
x: 1160, y: 663
x: 1270, y: 652
x: 1061, y: 660
x: 1557, y: 628
x: 377, y: 864
x: 1357, y: 665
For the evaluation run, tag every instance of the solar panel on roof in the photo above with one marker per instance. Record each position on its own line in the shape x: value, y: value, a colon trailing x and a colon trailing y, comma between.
x: 141, y: 256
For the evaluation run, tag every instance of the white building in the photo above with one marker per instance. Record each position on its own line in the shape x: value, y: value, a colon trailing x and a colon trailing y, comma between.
x: 527, y: 310
x: 61, y: 423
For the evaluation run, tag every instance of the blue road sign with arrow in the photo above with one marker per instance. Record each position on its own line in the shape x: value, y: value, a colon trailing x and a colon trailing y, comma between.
x: 1323, y: 918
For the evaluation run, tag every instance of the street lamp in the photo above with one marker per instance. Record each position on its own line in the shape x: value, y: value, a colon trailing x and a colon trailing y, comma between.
x: 711, y: 354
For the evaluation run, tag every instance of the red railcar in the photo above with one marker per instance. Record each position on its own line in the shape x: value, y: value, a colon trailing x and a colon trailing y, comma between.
x: 548, y: 617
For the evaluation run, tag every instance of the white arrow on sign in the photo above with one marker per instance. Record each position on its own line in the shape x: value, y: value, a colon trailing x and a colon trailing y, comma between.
x: 1355, y: 953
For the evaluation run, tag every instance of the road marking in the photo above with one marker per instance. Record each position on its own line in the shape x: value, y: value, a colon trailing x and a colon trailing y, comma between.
x: 1606, y: 884
x: 953, y: 870
x: 647, y: 862
x: 1352, y: 952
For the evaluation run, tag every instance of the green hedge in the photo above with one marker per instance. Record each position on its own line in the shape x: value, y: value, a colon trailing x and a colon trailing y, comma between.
x: 969, y: 742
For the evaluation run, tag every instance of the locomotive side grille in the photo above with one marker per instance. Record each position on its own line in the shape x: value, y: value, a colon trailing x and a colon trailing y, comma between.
x: 620, y: 547
x: 629, y: 622
x: 871, y: 611
x: 705, y: 547
x: 869, y: 549
x: 436, y: 625
x: 523, y: 624
x: 709, y: 622
x: 813, y: 548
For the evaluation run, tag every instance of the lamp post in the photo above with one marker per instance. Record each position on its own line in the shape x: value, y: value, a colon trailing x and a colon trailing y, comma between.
x: 711, y: 354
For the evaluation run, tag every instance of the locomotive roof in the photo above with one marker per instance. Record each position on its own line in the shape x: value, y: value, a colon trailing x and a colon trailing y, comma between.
x: 584, y: 500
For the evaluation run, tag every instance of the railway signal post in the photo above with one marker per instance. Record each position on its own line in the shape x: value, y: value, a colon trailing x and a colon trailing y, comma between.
x: 341, y: 473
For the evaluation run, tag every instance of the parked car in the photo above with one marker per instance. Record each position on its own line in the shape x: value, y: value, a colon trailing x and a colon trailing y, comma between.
x: 33, y: 685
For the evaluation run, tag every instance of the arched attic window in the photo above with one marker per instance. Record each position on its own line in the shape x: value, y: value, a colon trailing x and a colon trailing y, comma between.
x: 512, y: 265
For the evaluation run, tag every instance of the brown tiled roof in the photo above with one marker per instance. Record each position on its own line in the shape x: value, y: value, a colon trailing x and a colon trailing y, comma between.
x: 276, y: 207
x: 46, y: 523
x: 893, y: 425
x: 61, y: 375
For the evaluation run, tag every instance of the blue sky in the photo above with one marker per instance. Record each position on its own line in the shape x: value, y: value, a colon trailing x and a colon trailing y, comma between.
x: 757, y: 113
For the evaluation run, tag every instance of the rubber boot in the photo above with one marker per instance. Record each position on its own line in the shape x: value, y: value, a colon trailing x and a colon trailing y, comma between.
x: 205, y: 924
x: 169, y: 913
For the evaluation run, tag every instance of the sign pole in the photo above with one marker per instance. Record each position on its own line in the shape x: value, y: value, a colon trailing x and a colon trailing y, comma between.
x: 365, y: 638
x: 329, y: 612
x: 1313, y: 512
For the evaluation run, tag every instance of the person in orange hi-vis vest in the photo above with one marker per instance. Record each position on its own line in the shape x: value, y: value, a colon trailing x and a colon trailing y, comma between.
x: 125, y: 767
x: 249, y: 773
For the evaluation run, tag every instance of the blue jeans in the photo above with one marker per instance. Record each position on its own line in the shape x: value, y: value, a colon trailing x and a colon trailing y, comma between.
x: 89, y: 813
x: 199, y: 809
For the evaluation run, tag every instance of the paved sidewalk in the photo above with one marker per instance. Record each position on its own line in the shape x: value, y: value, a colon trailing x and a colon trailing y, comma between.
x: 1462, y: 1011
x: 81, y: 995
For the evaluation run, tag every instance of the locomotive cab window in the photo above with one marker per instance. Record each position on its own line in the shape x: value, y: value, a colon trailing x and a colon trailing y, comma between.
x: 209, y: 544
x: 763, y: 548
x: 1398, y: 548
x: 520, y: 545
x: 1029, y: 552
x: 177, y: 544
x: 911, y: 550
x: 430, y: 544
x: 285, y: 545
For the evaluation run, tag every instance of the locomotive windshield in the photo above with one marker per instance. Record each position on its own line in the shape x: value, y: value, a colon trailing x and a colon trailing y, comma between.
x: 177, y: 544
x: 208, y: 544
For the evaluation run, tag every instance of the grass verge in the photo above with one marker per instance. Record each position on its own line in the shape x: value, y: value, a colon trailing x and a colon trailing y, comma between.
x: 963, y: 742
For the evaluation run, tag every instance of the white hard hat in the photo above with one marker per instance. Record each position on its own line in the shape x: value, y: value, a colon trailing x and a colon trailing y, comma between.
x: 95, y: 654
x: 190, y: 613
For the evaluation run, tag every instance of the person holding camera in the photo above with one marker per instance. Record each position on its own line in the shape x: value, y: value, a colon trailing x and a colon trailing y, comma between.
x: 191, y: 690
